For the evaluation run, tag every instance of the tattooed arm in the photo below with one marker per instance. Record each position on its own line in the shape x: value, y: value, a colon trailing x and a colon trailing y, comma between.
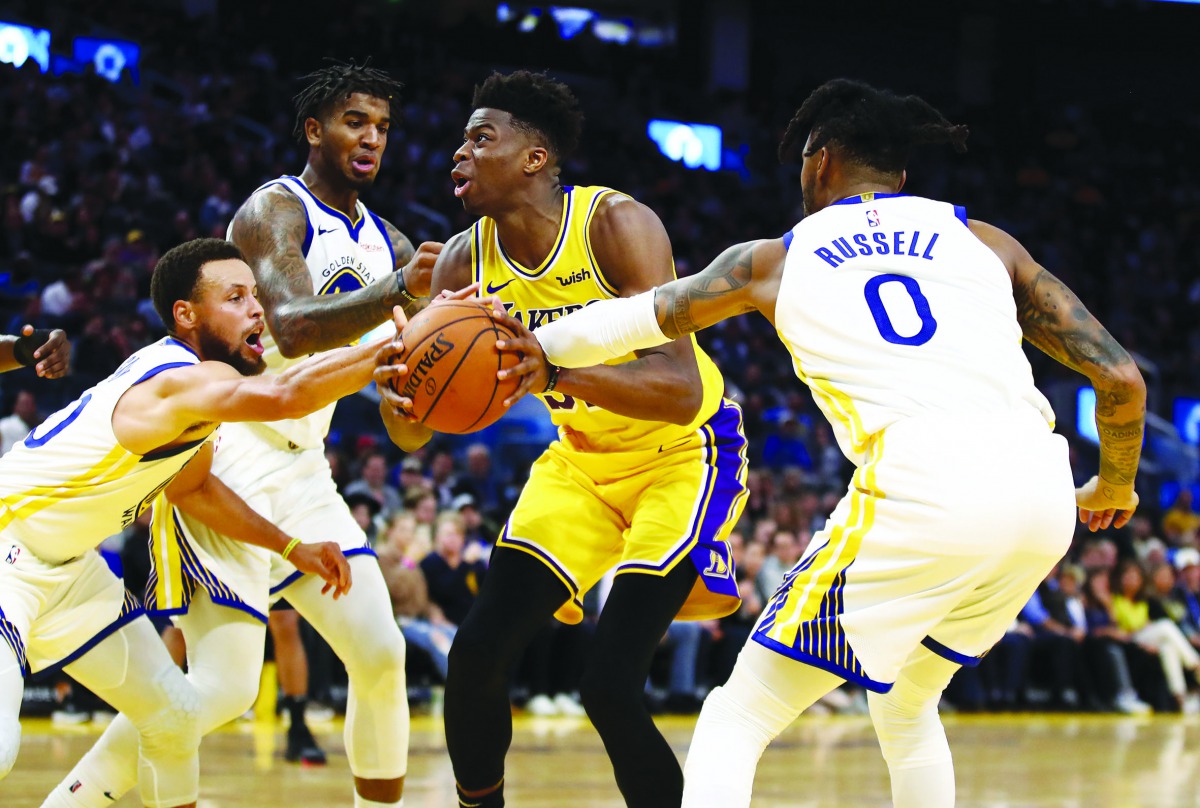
x: 270, y: 229
x: 1057, y: 322
x: 742, y: 279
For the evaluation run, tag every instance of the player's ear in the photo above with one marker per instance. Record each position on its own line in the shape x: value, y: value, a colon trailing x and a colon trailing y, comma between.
x: 903, y: 179
x: 312, y: 131
x: 536, y: 159
x: 185, y: 313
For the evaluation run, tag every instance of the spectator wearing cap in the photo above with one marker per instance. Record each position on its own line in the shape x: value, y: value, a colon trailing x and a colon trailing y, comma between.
x: 412, y: 475
x: 372, y: 482
x: 476, y: 527
x: 1187, y: 563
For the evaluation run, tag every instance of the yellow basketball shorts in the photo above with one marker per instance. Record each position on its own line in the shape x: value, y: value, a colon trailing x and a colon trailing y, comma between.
x: 646, y: 511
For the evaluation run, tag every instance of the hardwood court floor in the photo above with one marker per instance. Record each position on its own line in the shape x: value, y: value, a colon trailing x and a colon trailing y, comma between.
x: 1002, y: 762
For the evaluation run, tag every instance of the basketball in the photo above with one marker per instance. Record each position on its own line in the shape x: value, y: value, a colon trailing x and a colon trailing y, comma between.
x: 450, y: 350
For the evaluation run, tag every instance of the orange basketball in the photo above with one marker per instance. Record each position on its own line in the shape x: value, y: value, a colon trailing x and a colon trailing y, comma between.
x: 450, y: 351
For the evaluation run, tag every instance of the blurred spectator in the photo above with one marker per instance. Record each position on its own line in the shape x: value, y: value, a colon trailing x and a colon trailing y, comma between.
x: 15, y: 427
x: 372, y: 482
x: 441, y: 475
x: 1109, y: 646
x: 421, y: 621
x: 484, y: 482
x: 1187, y: 561
x: 785, y: 551
x: 1180, y: 521
x: 365, y: 508
x: 1131, y: 608
x: 453, y: 571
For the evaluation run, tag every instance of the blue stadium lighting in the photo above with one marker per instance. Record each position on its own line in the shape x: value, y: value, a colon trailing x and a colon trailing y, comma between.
x: 504, y: 13
x: 1192, y: 2
x: 110, y: 57
x: 1085, y: 414
x: 696, y: 145
x: 20, y: 43
x: 530, y: 20
x: 610, y: 30
x: 1186, y: 416
x: 571, y: 20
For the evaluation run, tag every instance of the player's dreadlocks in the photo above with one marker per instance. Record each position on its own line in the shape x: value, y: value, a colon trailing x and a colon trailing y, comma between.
x: 537, y: 103
x: 337, y: 81
x: 875, y: 128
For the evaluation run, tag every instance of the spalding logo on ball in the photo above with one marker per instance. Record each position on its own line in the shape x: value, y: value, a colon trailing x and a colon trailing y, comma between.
x: 450, y: 350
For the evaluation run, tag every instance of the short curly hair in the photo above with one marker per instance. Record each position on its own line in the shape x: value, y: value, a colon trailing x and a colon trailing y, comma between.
x: 538, y: 105
x: 873, y: 127
x: 177, y: 273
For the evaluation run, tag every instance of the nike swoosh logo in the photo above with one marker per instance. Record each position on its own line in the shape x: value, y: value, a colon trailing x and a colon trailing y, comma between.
x: 322, y: 231
x: 491, y: 290
x: 666, y: 447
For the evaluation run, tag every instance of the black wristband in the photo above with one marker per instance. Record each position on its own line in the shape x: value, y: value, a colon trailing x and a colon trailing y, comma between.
x: 402, y: 290
x: 551, y: 378
x: 24, y: 347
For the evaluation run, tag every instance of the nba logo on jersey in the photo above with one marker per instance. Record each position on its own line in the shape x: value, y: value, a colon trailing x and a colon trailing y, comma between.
x: 13, y: 553
x: 873, y: 218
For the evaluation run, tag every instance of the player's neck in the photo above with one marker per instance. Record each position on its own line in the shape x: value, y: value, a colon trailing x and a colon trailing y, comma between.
x: 858, y: 189
x: 340, y: 199
x: 528, y: 231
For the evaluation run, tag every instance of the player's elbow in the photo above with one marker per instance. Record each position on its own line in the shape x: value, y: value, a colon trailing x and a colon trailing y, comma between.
x: 1126, y: 380
x: 294, y: 334
x: 682, y: 404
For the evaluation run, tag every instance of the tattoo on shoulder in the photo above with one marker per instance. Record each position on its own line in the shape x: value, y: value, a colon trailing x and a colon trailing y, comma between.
x: 269, y: 230
x: 731, y: 271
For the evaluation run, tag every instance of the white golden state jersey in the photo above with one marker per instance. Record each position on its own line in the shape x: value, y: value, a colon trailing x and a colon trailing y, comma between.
x: 342, y: 256
x: 69, y: 485
x: 893, y: 309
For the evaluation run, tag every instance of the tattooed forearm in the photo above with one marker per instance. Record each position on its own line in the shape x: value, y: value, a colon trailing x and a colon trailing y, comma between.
x: 270, y: 229
x: 1058, y: 323
x: 690, y: 304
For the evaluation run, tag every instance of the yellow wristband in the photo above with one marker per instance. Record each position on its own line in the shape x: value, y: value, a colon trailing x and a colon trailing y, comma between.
x: 288, y: 550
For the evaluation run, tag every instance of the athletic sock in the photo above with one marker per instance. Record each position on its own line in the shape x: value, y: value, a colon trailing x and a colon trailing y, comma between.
x: 363, y: 802
x: 295, y: 706
x: 493, y: 799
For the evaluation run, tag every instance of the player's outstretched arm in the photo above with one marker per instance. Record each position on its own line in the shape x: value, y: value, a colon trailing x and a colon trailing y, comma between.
x: 48, y: 351
x: 270, y: 230
x: 199, y: 494
x: 157, y: 412
x: 742, y: 279
x: 1055, y: 320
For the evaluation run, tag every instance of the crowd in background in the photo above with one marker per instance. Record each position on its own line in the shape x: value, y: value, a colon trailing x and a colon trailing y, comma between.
x: 100, y: 179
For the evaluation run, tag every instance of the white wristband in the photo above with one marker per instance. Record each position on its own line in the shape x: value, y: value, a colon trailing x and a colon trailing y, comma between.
x: 604, y: 330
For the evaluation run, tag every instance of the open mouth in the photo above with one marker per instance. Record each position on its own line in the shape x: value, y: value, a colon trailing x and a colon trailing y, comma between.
x: 461, y: 184
x: 254, y: 340
x: 363, y: 164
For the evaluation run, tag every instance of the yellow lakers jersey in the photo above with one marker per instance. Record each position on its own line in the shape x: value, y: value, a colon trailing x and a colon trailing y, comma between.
x: 569, y: 279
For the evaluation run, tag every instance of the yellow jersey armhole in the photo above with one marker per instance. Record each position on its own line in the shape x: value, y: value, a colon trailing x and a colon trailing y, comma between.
x: 601, y: 281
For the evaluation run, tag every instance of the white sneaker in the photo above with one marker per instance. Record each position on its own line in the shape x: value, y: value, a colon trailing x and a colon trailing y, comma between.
x: 1191, y: 704
x: 567, y: 705
x: 319, y: 713
x: 69, y: 717
x: 1130, y: 704
x: 541, y: 704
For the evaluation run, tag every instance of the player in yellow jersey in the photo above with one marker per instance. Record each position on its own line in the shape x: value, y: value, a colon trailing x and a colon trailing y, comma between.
x: 652, y: 498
